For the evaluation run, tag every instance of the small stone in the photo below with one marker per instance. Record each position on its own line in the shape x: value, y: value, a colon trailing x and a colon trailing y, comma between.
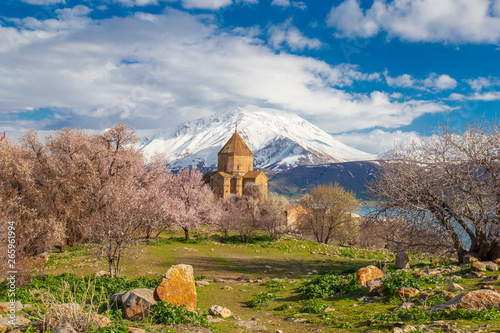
x: 407, y: 305
x: 454, y: 287
x: 202, y: 283
x: 219, y: 311
x: 101, y: 273
x: 328, y: 309
x: 227, y: 288
x: 65, y: 328
x: 406, y: 292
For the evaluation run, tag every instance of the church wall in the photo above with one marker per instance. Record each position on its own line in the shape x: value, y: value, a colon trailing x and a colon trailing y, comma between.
x: 230, y: 163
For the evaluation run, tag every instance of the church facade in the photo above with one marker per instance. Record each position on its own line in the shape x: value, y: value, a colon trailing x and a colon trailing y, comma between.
x: 235, y: 170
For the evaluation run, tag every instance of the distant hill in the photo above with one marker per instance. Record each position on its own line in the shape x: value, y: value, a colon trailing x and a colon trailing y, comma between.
x: 351, y: 175
x: 278, y: 139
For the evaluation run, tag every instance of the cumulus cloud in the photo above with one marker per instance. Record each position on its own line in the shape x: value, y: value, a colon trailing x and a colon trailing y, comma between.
x: 433, y: 82
x: 481, y: 83
x: 440, y: 82
x: 156, y: 70
x: 456, y: 21
x: 288, y: 3
x: 287, y: 34
x: 350, y: 20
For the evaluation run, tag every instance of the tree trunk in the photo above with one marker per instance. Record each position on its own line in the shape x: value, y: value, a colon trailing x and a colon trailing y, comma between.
x: 186, y: 234
x: 110, y: 263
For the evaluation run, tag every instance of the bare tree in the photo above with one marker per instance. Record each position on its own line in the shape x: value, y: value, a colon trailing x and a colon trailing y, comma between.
x: 242, y: 214
x: 272, y: 215
x: 327, y: 209
x: 194, y: 202
x: 447, y: 185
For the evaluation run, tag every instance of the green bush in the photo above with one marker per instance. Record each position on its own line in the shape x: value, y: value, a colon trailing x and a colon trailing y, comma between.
x: 261, y: 299
x: 313, y: 306
x: 325, y: 285
x: 402, y: 279
x: 169, y: 314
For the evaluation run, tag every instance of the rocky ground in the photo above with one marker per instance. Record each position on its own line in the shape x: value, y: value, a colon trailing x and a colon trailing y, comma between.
x: 286, y: 286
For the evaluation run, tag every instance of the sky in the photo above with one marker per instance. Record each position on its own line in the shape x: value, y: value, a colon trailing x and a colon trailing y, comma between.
x: 371, y: 73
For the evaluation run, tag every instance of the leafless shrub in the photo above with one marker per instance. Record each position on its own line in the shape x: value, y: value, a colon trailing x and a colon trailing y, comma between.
x: 443, y: 191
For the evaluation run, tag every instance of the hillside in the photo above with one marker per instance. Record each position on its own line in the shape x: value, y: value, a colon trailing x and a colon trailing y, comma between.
x: 351, y: 175
x: 279, y: 140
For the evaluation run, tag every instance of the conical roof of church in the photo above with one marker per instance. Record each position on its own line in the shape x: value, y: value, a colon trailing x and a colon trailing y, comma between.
x: 236, y: 146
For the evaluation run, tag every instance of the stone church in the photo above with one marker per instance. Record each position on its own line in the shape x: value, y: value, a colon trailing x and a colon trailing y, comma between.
x: 235, y: 169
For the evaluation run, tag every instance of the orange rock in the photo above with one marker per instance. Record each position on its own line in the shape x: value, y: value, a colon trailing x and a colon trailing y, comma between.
x: 406, y: 292
x: 178, y: 287
x: 368, y: 273
x: 480, y: 300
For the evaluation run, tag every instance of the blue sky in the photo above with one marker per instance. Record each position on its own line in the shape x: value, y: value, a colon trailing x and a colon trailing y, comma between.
x: 369, y: 72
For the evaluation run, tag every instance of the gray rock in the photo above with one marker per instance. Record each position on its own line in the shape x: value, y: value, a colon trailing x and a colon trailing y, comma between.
x: 136, y: 302
x: 7, y: 323
x: 402, y: 260
x: 454, y: 287
x: 374, y: 287
x: 65, y: 328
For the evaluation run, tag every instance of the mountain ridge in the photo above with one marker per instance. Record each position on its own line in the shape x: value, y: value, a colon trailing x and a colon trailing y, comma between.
x: 279, y: 140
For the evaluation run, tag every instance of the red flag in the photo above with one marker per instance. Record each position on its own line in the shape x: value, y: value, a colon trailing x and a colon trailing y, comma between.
x: 3, y: 137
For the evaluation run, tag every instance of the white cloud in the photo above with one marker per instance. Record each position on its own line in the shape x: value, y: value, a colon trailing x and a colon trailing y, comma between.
x: 350, y: 20
x: 401, y: 81
x: 287, y: 34
x: 456, y: 21
x: 488, y: 96
x: 481, y: 83
x: 205, y: 4
x: 155, y: 70
x: 136, y: 3
x: 441, y: 82
x: 288, y: 3
x: 43, y: 2
x: 376, y: 141
x: 67, y: 19
x: 433, y: 82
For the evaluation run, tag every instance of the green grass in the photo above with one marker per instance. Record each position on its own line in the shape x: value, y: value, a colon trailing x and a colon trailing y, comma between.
x: 294, y: 281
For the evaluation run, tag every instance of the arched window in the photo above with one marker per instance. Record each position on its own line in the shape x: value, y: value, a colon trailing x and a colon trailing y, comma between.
x: 238, y: 167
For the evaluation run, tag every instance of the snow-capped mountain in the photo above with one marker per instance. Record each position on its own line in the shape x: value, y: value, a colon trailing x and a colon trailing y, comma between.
x: 279, y: 140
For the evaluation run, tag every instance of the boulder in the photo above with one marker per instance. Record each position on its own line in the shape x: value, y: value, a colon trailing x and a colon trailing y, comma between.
x: 491, y: 266
x: 6, y: 307
x: 497, y: 261
x: 368, y: 273
x: 135, y: 302
x: 374, y: 287
x: 468, y: 258
x: 478, y: 266
x: 474, y: 275
x: 178, y: 287
x: 481, y: 300
x: 6, y: 323
x: 65, y: 328
x: 402, y: 260
x: 406, y: 292
x: 220, y: 311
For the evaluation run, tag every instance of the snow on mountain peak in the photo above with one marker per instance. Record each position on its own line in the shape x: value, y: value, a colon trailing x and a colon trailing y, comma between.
x: 279, y: 140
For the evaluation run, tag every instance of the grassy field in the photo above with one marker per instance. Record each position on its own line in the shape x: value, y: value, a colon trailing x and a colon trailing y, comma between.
x: 272, y: 289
